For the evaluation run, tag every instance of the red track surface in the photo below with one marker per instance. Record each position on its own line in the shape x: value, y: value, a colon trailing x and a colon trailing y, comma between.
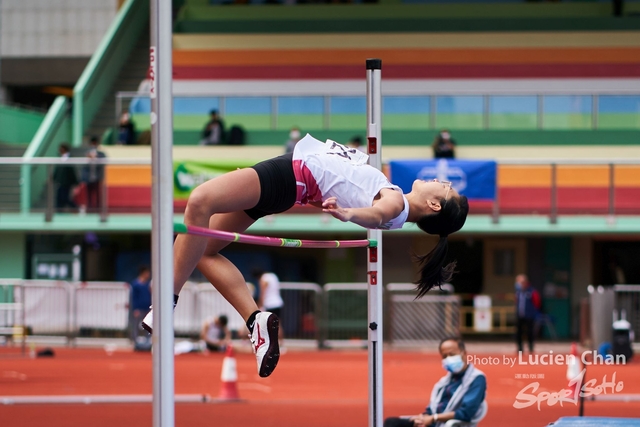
x: 309, y: 388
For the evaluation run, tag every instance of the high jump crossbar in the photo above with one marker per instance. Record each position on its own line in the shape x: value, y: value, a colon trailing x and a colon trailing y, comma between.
x: 272, y: 241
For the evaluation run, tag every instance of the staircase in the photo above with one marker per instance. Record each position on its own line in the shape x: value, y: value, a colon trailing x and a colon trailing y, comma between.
x: 10, y: 178
x: 132, y: 73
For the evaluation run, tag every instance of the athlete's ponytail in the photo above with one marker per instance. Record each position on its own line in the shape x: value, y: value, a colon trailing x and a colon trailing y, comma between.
x: 448, y: 220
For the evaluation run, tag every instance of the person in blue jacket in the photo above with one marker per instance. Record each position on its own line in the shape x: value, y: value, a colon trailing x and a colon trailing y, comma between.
x: 459, y: 395
x: 527, y: 307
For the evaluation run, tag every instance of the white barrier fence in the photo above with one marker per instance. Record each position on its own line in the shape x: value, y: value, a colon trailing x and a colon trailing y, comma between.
x: 333, y: 316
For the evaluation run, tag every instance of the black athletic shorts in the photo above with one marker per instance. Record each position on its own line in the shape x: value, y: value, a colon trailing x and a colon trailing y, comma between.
x: 277, y: 186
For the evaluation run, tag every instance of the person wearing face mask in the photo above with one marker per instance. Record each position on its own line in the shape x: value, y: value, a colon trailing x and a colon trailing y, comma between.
x: 294, y: 137
x: 459, y: 395
x: 444, y: 147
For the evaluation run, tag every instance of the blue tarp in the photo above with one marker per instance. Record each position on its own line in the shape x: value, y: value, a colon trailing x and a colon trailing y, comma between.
x: 476, y: 179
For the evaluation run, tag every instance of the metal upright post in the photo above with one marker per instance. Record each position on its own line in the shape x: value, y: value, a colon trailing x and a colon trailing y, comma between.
x: 495, y: 209
x: 162, y: 212
x: 103, y: 200
x: 374, y: 261
x: 612, y: 191
x: 48, y: 213
x: 611, y: 216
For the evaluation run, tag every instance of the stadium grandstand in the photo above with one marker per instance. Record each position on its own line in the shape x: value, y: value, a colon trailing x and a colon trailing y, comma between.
x: 546, y: 95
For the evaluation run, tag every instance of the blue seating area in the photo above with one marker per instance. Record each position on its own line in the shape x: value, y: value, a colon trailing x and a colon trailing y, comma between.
x: 504, y: 112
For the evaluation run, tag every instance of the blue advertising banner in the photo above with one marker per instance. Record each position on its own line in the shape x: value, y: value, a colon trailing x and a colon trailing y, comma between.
x: 475, y: 179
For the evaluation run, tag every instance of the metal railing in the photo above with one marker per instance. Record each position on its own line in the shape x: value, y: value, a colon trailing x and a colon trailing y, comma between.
x: 103, y: 67
x: 345, y: 315
x: 12, y: 311
x: 36, y: 165
x: 416, y: 321
x: 55, y: 129
x: 554, y: 209
x: 302, y: 314
x: 124, y: 98
x: 502, y: 320
x: 46, y: 203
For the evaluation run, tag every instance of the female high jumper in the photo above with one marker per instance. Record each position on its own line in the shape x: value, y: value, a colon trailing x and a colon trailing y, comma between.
x: 327, y: 175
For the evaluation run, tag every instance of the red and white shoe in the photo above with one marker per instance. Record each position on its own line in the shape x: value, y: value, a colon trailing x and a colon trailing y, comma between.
x: 264, y: 340
x: 147, y: 322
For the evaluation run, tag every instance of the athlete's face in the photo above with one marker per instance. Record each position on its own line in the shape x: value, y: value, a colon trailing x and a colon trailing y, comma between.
x: 434, y: 189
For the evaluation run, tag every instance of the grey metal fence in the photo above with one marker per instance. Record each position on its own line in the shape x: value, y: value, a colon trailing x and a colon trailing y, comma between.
x: 302, y: 312
x: 333, y: 316
x: 414, y: 322
x: 199, y: 302
x: 300, y: 315
x: 101, y: 309
x: 48, y: 307
x: 12, y: 313
x: 345, y: 315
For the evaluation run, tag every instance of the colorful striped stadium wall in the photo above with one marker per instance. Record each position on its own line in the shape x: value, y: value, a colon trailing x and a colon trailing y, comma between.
x: 531, y: 43
x: 416, y: 42
x: 521, y: 189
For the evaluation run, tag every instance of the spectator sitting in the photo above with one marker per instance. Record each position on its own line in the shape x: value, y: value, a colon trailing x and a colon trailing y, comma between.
x: 126, y: 130
x: 444, y: 147
x: 459, y: 395
x: 213, y: 133
x: 215, y: 333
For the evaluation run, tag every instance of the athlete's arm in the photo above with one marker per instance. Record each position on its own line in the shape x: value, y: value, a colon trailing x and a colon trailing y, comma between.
x: 388, y: 206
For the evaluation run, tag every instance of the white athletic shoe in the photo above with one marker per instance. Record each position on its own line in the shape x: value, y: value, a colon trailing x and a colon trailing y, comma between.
x: 264, y: 340
x: 147, y: 322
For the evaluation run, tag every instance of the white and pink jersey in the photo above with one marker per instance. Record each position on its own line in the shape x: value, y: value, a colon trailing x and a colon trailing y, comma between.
x: 331, y: 169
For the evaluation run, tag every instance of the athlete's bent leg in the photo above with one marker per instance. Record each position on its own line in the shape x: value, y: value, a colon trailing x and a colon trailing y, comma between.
x: 231, y: 192
x: 228, y: 280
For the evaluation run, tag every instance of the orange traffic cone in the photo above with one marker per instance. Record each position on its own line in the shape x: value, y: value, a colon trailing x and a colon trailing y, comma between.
x: 229, y: 377
x: 574, y: 367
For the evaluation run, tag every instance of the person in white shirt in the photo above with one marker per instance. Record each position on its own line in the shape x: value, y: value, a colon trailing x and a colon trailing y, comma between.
x: 330, y: 176
x: 269, y: 298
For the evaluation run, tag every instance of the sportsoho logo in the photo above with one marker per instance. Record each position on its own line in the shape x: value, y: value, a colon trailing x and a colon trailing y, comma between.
x: 576, y: 388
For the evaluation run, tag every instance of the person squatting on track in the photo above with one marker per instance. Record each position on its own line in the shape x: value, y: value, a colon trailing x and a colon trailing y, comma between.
x: 327, y: 175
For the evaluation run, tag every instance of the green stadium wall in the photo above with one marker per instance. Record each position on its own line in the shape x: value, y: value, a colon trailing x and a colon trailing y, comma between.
x: 18, y: 126
x: 13, y: 256
x: 198, y: 17
x: 425, y: 137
